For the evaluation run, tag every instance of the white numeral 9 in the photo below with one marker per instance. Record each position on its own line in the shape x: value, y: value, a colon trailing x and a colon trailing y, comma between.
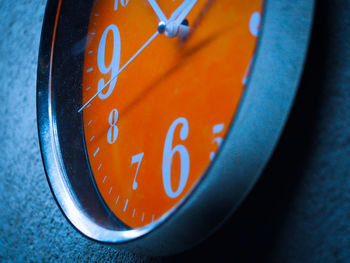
x: 168, y: 155
x: 114, y: 66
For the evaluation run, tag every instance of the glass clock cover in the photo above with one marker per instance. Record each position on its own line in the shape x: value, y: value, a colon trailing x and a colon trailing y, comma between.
x: 154, y: 129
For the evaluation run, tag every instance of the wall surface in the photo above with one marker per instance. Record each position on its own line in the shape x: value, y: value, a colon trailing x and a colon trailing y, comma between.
x: 298, y: 212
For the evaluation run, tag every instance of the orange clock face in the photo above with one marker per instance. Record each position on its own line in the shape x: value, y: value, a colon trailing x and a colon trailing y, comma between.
x: 163, y: 104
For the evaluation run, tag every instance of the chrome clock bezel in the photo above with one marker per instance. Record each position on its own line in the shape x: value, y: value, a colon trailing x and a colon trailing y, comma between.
x: 259, y: 121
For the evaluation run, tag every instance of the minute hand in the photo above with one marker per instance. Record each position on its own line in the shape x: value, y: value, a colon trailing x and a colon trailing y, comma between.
x: 187, y: 9
x: 174, y: 23
x: 179, y: 10
x: 173, y: 16
x: 157, y: 10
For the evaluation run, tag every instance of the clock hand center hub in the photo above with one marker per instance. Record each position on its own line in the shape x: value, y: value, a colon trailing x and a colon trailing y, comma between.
x: 161, y: 27
x: 171, y: 29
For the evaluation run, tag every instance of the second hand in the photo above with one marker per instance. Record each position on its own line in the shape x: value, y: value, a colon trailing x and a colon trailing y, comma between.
x: 121, y: 69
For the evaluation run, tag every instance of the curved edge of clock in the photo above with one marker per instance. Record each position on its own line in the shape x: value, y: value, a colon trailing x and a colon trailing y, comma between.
x: 70, y: 202
x: 259, y: 122
x: 248, y: 146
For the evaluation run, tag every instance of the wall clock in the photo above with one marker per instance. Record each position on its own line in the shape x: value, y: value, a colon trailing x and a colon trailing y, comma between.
x: 157, y: 117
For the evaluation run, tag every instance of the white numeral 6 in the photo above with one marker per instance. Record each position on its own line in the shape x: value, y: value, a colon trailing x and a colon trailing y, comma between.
x: 168, y: 154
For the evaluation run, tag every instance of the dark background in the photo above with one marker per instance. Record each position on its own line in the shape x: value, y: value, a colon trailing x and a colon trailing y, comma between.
x: 299, y: 211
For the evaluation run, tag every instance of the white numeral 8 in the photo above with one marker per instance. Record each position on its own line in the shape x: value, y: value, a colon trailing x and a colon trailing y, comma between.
x: 168, y: 155
x: 113, y: 131
x: 114, y: 66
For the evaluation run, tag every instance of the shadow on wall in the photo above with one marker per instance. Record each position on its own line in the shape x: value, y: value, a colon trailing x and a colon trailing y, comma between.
x: 251, y: 234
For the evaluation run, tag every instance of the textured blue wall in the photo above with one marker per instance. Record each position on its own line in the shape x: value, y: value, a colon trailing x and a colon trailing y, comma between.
x: 298, y: 212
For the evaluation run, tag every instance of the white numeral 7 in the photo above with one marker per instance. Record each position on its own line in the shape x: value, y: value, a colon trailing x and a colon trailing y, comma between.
x: 136, y: 159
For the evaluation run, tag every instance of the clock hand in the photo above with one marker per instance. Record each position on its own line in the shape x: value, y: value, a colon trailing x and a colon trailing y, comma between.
x: 185, y: 12
x: 199, y: 18
x: 174, y: 27
x: 160, y: 13
x: 181, y: 30
x: 176, y: 13
x: 157, y: 10
x: 121, y: 69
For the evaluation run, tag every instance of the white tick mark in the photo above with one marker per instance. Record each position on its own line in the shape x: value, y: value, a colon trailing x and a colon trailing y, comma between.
x: 126, y: 204
x: 92, y: 138
x: 152, y: 218
x: 110, y: 190
x: 92, y: 33
x: 116, y: 202
x: 133, y: 214
x: 96, y: 151
x: 88, y: 88
x: 99, y: 167
x: 89, y: 70
x: 90, y: 52
x: 90, y: 122
x: 104, y: 179
x: 143, y: 216
x: 88, y: 106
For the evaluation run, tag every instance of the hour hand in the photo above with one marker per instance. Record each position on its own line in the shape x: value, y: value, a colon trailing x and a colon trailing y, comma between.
x: 158, y: 11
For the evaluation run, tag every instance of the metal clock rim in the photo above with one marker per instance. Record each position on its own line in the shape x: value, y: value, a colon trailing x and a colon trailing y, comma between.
x: 252, y: 137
